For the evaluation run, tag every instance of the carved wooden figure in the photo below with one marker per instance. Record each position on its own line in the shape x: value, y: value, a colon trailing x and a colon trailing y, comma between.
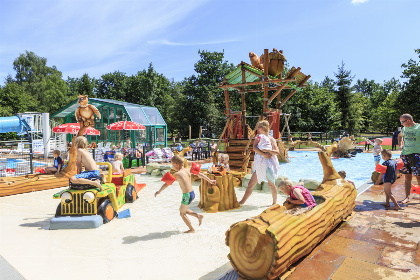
x: 85, y: 113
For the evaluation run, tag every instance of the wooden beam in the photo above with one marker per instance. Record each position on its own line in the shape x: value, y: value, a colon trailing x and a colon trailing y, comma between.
x: 293, y: 92
x: 283, y: 86
x: 268, y: 81
x: 226, y: 99
x: 266, y: 63
x: 243, y: 104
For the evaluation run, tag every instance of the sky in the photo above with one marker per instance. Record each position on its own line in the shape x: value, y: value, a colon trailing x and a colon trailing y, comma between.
x: 372, y: 37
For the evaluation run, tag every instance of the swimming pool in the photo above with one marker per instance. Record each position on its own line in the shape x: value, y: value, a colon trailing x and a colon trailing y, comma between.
x: 306, y: 165
x: 11, y: 163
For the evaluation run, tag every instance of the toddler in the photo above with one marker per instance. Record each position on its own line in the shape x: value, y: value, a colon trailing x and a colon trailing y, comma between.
x: 298, y: 194
x: 343, y: 175
x: 224, y: 161
x: 263, y: 142
x: 117, y: 165
x: 389, y: 178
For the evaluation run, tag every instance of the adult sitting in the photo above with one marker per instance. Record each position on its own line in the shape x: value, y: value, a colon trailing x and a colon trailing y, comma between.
x: 196, y: 150
x: 410, y: 152
x: 134, y: 154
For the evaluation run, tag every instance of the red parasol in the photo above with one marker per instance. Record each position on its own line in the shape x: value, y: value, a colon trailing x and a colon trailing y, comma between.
x: 73, y: 128
x: 125, y: 125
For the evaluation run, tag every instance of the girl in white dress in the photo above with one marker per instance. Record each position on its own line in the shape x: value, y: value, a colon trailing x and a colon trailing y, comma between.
x: 266, y: 164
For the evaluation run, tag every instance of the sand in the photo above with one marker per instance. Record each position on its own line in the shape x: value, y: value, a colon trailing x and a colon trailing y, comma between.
x: 148, y: 245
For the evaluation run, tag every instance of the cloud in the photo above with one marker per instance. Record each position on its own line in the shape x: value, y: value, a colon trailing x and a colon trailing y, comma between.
x: 169, y: 43
x: 358, y: 2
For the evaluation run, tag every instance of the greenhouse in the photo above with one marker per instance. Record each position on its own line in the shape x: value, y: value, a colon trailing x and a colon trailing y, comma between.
x: 115, y: 111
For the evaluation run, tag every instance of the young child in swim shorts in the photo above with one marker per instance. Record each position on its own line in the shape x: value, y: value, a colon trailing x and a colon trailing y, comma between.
x: 389, y: 178
x: 183, y: 176
x: 297, y: 194
x: 91, y: 169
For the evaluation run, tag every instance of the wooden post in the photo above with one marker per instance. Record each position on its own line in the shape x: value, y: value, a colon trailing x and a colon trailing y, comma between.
x: 226, y: 98
x: 243, y: 106
x: 200, y: 132
x: 189, y: 132
x: 266, y: 63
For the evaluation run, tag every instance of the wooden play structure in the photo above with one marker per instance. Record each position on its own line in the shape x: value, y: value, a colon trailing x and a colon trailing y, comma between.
x: 264, y: 75
x: 292, y: 145
x: 264, y: 247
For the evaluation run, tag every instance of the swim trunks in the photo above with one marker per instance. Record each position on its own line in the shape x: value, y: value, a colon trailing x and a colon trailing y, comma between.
x: 377, y: 158
x: 411, y: 164
x: 88, y: 174
x: 187, y: 198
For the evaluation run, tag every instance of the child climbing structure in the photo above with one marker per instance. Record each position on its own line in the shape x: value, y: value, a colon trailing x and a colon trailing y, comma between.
x: 265, y: 74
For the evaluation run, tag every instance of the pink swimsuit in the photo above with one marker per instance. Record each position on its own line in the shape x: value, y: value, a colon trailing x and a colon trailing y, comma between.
x: 309, y: 199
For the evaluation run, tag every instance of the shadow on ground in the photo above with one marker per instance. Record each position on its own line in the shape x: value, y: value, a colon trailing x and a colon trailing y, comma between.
x: 150, y: 236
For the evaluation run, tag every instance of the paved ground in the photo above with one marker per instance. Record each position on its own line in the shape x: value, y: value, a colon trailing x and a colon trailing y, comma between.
x: 375, y: 243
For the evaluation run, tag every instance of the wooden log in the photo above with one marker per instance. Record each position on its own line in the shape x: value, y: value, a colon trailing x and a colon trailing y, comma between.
x: 265, y: 246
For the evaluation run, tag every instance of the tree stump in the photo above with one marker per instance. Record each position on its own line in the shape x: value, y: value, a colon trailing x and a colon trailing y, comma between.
x: 219, y: 197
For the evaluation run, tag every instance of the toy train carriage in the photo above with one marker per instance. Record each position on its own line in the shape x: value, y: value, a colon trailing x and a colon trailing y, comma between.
x: 88, y: 200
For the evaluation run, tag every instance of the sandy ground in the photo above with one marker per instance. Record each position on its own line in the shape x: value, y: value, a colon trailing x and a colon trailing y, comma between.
x: 148, y: 245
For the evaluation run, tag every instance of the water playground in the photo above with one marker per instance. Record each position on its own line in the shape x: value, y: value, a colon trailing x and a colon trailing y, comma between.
x: 335, y: 239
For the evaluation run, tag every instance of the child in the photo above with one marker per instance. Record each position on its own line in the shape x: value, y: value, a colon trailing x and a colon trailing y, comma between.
x: 377, y: 149
x: 389, y: 178
x: 343, y: 175
x: 183, y: 176
x: 298, y: 194
x: 58, y: 164
x: 224, y: 161
x: 91, y: 169
x: 117, y: 165
x: 266, y: 164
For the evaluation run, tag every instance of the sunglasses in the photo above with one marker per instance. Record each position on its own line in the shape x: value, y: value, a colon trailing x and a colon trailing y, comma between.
x: 403, y: 121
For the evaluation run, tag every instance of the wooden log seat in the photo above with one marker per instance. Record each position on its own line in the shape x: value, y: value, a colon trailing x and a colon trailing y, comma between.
x: 219, y: 197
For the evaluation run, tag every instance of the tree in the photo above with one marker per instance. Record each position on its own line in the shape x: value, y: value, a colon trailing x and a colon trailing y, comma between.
x: 350, y: 105
x: 43, y: 83
x: 408, y: 101
x: 205, y: 102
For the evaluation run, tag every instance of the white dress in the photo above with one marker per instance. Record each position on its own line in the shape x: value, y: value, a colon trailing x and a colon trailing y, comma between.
x: 265, y: 168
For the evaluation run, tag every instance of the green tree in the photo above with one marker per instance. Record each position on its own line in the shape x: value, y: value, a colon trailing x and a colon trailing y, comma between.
x: 408, y: 101
x: 205, y: 102
x: 43, y: 83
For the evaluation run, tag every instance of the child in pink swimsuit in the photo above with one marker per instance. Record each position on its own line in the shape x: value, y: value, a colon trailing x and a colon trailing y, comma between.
x: 298, y: 194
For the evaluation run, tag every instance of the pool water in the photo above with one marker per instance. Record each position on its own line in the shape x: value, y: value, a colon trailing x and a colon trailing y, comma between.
x: 11, y: 163
x: 306, y: 165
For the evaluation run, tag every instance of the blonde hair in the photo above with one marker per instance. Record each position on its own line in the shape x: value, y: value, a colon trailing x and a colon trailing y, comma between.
x: 177, y: 159
x: 118, y: 156
x: 386, y: 152
x: 379, y: 140
x: 284, y: 183
x: 264, y: 125
x: 225, y: 157
x: 81, y: 142
x: 56, y: 152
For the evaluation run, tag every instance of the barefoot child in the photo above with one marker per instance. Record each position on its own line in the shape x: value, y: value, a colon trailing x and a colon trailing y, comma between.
x: 224, y: 161
x: 58, y: 164
x: 389, y: 178
x: 344, y: 175
x: 117, y: 165
x: 91, y: 169
x: 298, y: 194
x: 183, y: 176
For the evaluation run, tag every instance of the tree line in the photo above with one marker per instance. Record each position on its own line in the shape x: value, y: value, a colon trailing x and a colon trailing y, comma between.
x: 337, y: 103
